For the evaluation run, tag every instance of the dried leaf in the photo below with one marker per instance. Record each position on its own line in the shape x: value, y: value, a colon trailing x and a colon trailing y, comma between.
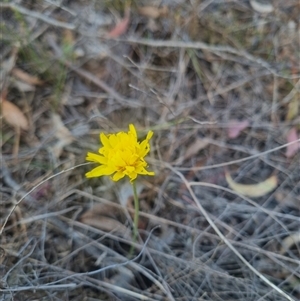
x: 193, y: 149
x: 152, y: 11
x: 68, y: 37
x: 94, y: 218
x: 263, y: 8
x: 106, y: 210
x: 292, y: 149
x: 254, y: 190
x: 289, y: 241
x: 8, y: 65
x: 105, y: 223
x: 13, y: 115
x: 23, y: 87
x: 120, y: 27
x: 235, y: 128
x: 63, y: 135
x: 61, y: 132
x: 27, y: 78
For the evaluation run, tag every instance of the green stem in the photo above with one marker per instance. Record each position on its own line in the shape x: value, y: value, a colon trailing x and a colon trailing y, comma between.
x: 136, y: 218
x: 136, y: 212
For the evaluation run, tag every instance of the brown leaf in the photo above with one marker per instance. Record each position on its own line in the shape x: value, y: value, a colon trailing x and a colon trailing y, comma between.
x: 26, y: 77
x: 94, y: 218
x: 13, y: 115
x: 254, y: 190
x: 193, y: 149
x: 152, y: 11
x: 292, y: 149
x: 106, y: 224
x: 68, y: 37
x: 105, y: 209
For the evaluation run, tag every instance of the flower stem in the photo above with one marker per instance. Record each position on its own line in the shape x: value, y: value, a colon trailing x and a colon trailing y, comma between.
x: 136, y: 212
x: 136, y: 217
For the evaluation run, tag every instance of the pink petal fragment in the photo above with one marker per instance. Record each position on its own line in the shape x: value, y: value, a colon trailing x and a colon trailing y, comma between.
x: 292, y: 149
x: 235, y: 128
x: 120, y: 28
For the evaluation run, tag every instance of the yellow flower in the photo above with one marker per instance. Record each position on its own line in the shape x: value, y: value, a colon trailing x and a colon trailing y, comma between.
x: 122, y: 155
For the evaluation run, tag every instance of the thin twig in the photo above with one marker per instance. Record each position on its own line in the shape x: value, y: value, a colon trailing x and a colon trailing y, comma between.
x: 238, y: 160
x: 41, y: 287
x: 54, y: 284
x: 91, y: 77
x: 10, y: 182
x: 37, y: 15
x: 34, y: 188
x: 211, y: 48
x: 226, y: 241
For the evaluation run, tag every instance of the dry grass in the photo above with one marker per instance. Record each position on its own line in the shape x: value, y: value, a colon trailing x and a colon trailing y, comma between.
x: 186, y: 75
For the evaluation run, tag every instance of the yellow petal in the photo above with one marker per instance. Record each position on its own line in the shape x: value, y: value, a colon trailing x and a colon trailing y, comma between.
x: 96, y: 158
x: 149, y: 135
x: 129, y: 169
x: 104, y: 140
x: 121, y: 155
x: 113, y: 140
x: 118, y: 159
x: 145, y: 146
x: 144, y: 149
x: 145, y: 172
x: 118, y: 175
x: 99, y: 171
x: 142, y: 171
x: 132, y: 176
x: 132, y: 130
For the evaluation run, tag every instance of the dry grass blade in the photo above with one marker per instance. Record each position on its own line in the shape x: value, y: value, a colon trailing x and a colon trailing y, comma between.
x: 34, y: 188
x: 234, y: 250
x: 36, y: 15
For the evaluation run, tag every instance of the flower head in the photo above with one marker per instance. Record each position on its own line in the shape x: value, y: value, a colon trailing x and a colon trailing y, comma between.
x: 121, y: 155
